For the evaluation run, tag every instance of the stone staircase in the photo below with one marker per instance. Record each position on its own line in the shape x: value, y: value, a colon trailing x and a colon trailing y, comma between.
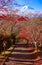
x: 23, y: 55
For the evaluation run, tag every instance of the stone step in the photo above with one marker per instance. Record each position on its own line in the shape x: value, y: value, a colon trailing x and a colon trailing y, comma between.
x: 23, y: 49
x: 18, y: 63
x: 21, y: 45
x: 24, y: 55
x: 24, y: 60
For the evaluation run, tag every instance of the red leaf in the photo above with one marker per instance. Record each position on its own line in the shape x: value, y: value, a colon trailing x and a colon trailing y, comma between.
x: 21, y: 19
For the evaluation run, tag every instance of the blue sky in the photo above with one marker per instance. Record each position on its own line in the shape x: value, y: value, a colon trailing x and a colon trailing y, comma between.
x: 35, y: 4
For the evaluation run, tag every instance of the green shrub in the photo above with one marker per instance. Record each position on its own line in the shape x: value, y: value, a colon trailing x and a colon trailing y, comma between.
x: 13, y: 37
x: 16, y: 38
x: 40, y: 44
x: 7, y: 39
x: 25, y: 41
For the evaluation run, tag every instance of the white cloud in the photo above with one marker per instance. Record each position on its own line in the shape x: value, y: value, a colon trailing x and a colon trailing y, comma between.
x: 24, y: 8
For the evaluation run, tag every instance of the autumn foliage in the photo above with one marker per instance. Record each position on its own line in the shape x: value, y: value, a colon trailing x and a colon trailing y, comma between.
x: 21, y: 19
x: 23, y: 26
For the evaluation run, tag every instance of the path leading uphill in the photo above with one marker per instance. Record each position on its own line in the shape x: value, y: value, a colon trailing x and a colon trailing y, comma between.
x: 23, y: 55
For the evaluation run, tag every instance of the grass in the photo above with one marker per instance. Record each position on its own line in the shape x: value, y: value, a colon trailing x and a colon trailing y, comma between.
x: 7, y: 51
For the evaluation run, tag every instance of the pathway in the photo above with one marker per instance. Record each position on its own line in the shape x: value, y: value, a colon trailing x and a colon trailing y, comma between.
x: 23, y: 55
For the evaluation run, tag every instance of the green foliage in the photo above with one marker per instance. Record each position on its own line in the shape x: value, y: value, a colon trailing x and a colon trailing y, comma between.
x: 17, y: 38
x: 7, y: 40
x: 25, y: 41
x: 13, y: 37
x: 8, y: 43
x: 40, y: 45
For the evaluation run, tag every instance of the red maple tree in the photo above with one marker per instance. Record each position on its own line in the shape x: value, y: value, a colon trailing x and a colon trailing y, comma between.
x: 21, y: 19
